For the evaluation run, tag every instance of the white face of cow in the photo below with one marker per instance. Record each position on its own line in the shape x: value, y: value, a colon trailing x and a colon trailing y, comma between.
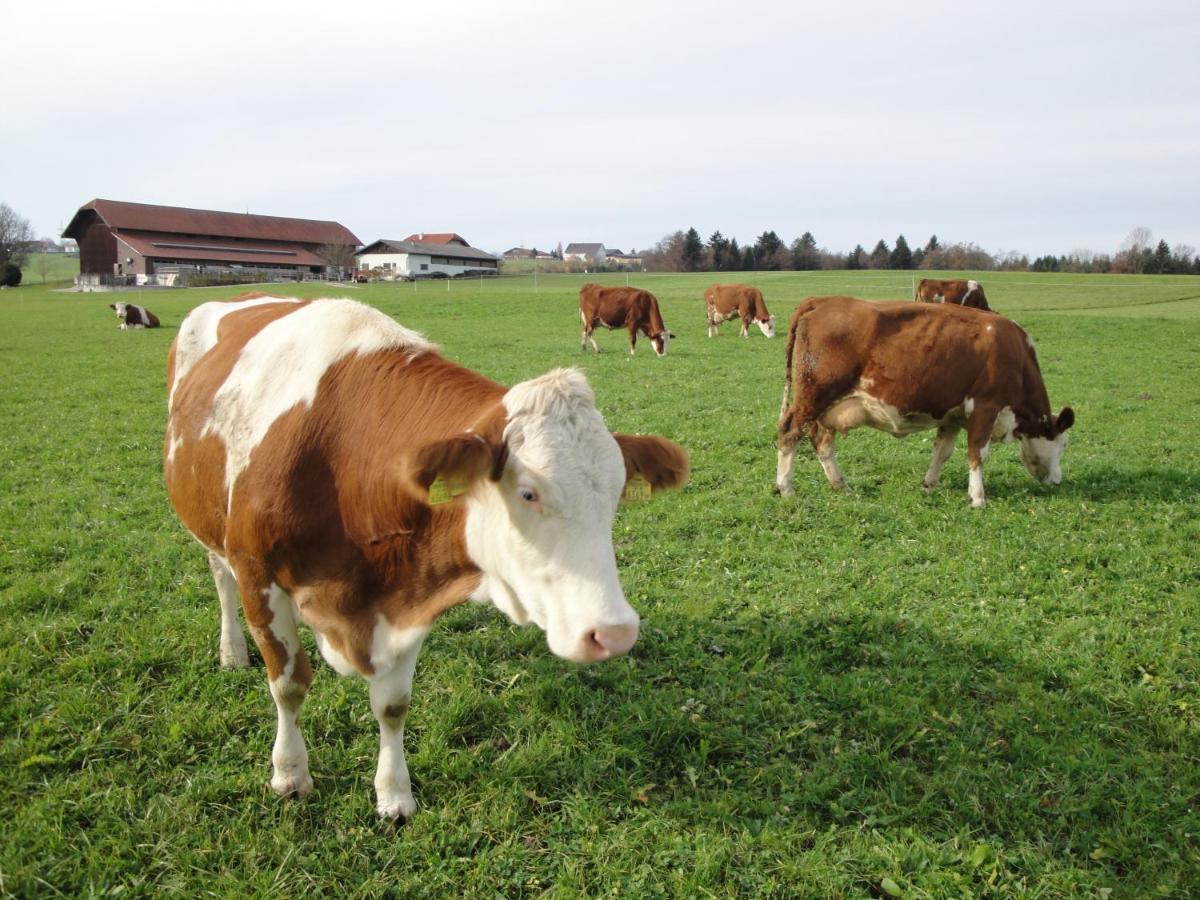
x: 767, y: 327
x: 120, y: 309
x: 660, y: 342
x: 1043, y: 456
x: 542, y: 534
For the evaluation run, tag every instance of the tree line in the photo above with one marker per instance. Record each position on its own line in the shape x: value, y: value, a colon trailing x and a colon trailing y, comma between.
x: 686, y: 251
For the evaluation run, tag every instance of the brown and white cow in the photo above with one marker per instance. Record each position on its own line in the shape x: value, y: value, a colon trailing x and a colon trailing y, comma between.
x: 902, y: 368
x: 133, y: 316
x: 622, y: 307
x: 724, y: 301
x: 343, y: 474
x: 962, y: 293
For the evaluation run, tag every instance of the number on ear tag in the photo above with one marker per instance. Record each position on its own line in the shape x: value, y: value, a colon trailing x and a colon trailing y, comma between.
x: 637, y: 490
x: 443, y: 490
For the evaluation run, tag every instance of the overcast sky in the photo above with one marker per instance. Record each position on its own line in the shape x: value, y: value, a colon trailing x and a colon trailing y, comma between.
x: 1037, y: 127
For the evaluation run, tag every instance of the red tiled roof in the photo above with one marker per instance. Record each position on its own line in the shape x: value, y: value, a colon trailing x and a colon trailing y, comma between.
x: 179, y: 220
x: 172, y: 246
x: 443, y: 237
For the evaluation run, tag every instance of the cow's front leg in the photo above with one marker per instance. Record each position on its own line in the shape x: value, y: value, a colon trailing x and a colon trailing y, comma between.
x: 943, y: 446
x: 745, y: 328
x: 271, y: 615
x: 391, y: 693
x: 632, y: 340
x: 979, y: 436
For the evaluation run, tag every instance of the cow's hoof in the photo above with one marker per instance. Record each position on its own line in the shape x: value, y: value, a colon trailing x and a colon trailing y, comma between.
x: 928, y: 488
x: 838, y: 485
x: 784, y: 490
x: 233, y: 659
x: 978, y: 504
x: 298, y: 784
x: 396, y: 809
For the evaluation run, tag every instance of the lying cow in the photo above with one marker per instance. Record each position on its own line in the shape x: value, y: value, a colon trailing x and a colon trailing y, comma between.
x: 133, y: 316
x: 903, y: 368
x: 962, y: 293
x: 724, y: 301
x: 622, y: 307
x: 343, y: 474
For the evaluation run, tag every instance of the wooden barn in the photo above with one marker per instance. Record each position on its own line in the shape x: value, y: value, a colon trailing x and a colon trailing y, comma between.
x: 142, y: 240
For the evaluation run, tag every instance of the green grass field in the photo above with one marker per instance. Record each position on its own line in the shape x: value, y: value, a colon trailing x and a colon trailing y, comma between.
x: 872, y: 693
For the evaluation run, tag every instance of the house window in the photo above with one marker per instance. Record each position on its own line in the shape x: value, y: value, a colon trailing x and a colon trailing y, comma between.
x: 424, y: 266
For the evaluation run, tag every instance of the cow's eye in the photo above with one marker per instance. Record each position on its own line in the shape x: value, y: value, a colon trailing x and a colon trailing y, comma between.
x: 529, y: 495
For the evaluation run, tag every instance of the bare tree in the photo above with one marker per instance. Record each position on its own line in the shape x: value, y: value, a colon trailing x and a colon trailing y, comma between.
x: 15, y: 236
x: 337, y: 256
x: 42, y: 265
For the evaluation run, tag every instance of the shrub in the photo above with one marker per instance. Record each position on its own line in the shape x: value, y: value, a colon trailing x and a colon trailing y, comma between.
x: 10, y: 275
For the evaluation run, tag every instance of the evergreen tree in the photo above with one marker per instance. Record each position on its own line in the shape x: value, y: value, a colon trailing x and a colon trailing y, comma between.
x: 767, y: 245
x: 901, y: 257
x: 693, y: 251
x: 805, y: 255
x: 733, y: 256
x: 1162, y: 259
x: 932, y: 244
x: 749, y: 262
x: 718, y: 247
x: 881, y: 255
x: 856, y: 259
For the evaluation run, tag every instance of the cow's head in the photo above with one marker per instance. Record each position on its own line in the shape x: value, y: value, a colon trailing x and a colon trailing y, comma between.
x: 766, y: 326
x: 1043, y: 455
x: 121, y: 309
x: 541, y: 477
x: 659, y: 342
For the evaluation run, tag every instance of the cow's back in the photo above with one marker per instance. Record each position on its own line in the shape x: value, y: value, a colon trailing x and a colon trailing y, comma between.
x: 915, y: 357
x: 240, y: 371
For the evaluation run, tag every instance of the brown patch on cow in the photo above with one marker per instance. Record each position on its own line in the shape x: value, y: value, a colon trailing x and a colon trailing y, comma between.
x: 724, y: 301
x: 953, y: 291
x: 661, y: 462
x: 395, y: 713
x: 915, y: 362
x: 631, y: 308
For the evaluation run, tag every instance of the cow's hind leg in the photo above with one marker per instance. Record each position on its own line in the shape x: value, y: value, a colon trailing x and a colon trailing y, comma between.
x: 233, y: 641
x: 391, y: 693
x: 824, y: 441
x: 943, y: 446
x: 272, y: 618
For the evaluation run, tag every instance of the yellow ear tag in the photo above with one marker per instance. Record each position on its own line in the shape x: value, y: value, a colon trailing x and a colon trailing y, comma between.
x: 443, y: 490
x: 637, y: 490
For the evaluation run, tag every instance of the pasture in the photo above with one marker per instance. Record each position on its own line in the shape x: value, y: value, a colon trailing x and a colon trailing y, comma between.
x: 871, y: 693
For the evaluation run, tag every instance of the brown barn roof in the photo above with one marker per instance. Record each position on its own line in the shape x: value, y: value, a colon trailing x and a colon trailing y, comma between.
x: 123, y: 216
x: 441, y: 237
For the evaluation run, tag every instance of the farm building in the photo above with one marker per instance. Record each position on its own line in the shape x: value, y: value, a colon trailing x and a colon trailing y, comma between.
x: 419, y: 257
x: 526, y: 253
x: 142, y: 241
x: 595, y: 254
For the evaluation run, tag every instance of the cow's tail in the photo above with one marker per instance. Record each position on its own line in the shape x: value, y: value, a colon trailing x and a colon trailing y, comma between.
x: 793, y: 333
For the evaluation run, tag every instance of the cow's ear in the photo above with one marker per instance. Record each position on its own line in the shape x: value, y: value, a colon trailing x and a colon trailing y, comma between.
x: 444, y: 469
x: 661, y: 462
x: 1066, y: 418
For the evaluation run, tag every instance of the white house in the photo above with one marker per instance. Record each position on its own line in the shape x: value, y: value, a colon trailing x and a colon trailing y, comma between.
x: 421, y: 259
x: 589, y: 253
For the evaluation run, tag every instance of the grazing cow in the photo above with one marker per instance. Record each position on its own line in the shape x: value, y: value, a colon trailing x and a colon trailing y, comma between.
x: 132, y: 316
x: 622, y: 307
x: 724, y: 301
x: 343, y: 474
x: 963, y: 293
x: 903, y: 368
